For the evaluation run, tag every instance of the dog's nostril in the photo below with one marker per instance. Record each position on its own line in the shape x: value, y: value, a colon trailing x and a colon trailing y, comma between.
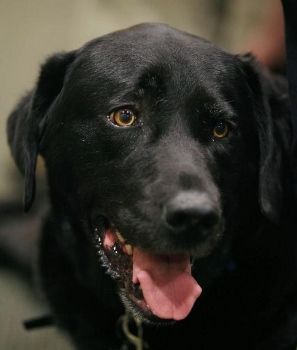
x: 183, y: 219
x: 192, y: 217
x: 190, y: 209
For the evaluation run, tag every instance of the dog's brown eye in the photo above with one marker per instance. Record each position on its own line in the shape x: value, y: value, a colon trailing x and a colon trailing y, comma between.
x: 221, y: 130
x: 123, y: 117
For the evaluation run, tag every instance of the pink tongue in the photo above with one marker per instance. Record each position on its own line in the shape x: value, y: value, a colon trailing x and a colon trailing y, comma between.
x: 166, y: 282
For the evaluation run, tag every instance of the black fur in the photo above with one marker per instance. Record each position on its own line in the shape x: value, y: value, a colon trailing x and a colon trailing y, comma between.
x: 181, y: 87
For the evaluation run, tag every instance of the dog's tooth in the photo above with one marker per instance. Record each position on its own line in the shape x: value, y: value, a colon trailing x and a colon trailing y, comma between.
x: 128, y: 249
x: 120, y: 237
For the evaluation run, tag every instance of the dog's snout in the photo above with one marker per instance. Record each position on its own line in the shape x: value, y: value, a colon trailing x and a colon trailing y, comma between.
x: 190, y: 210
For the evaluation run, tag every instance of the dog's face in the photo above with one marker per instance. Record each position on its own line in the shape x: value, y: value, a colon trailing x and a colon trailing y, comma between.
x: 151, y: 145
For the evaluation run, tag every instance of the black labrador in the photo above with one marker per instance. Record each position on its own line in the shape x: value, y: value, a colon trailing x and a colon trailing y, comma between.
x: 167, y: 165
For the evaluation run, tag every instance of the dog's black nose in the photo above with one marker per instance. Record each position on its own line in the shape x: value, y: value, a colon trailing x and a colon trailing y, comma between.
x: 190, y: 210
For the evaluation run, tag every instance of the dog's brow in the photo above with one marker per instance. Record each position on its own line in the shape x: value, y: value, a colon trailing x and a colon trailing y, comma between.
x: 152, y: 81
x: 149, y: 84
x: 216, y: 107
x: 222, y: 109
x: 126, y: 97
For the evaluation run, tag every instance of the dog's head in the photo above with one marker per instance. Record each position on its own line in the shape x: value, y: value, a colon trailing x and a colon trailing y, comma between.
x: 158, y: 143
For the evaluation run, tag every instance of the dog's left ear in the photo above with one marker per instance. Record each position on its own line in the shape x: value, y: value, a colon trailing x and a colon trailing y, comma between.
x: 27, y: 122
x: 271, y: 109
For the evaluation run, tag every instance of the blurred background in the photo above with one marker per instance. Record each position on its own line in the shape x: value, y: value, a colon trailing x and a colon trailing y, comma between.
x: 30, y: 30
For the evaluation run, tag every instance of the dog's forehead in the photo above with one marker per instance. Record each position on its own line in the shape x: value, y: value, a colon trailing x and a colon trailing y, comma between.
x: 151, y: 62
x: 128, y: 53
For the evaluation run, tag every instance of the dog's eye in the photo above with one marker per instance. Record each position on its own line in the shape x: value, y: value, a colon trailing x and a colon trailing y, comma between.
x: 221, y: 130
x: 123, y: 117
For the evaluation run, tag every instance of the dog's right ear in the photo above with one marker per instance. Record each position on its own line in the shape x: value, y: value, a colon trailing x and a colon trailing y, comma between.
x: 271, y: 122
x: 27, y: 122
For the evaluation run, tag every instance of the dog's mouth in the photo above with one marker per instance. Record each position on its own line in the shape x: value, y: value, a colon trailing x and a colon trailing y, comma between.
x: 157, y: 286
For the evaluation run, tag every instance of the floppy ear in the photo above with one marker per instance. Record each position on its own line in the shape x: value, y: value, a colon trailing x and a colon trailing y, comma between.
x: 27, y: 122
x: 272, y: 123
x: 290, y: 12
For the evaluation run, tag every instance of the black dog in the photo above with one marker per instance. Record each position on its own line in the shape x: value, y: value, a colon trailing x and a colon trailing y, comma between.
x: 167, y: 161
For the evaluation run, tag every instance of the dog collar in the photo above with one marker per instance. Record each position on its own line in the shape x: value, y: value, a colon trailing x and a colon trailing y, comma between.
x: 125, y: 323
x: 131, y: 338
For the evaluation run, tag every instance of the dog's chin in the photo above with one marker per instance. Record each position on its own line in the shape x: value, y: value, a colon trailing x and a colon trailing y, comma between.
x: 116, y: 256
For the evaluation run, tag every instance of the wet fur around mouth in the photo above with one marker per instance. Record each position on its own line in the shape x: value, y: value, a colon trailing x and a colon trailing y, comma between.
x: 169, y: 183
